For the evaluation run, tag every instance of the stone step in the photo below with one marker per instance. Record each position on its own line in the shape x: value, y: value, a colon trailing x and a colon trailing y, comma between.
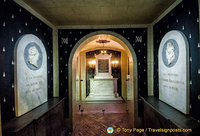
x: 104, y: 100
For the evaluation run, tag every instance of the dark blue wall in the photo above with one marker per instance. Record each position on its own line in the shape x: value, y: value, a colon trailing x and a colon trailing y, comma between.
x: 74, y: 35
x: 185, y: 18
x: 15, y: 21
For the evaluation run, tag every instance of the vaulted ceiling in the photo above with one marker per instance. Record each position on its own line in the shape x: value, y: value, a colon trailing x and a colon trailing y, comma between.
x: 99, y: 12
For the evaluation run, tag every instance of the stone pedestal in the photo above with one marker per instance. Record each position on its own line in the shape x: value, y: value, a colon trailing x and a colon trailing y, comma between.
x: 103, y: 89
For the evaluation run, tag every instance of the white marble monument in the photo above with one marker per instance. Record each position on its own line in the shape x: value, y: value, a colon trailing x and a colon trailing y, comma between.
x: 103, y: 86
x: 174, y: 71
x: 30, y: 74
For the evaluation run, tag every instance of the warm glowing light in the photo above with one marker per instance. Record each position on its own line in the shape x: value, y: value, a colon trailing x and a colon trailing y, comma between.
x: 115, y: 62
x: 92, y: 63
x: 104, y: 51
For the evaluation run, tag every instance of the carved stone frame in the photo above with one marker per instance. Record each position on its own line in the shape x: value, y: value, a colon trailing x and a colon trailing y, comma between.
x: 103, y: 75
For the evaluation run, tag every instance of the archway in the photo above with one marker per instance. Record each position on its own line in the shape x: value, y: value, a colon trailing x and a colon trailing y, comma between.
x: 72, y: 68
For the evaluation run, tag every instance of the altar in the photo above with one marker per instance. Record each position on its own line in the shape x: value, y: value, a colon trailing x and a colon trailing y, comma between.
x: 103, y: 86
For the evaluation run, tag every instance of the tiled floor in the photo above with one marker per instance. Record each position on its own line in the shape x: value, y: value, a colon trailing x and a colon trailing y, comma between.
x: 93, y: 122
x: 107, y: 107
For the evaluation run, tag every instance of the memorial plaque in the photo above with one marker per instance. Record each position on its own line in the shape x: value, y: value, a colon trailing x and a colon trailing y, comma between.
x: 173, y: 71
x: 30, y: 74
x: 103, y: 65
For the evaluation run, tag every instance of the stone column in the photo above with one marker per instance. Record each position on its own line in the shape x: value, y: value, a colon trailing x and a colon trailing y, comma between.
x: 150, y: 60
x: 124, y: 73
x: 55, y: 64
x: 83, y: 75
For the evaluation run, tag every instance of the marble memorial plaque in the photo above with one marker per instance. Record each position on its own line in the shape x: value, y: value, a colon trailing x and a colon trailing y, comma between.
x: 103, y: 65
x: 30, y: 74
x: 173, y: 71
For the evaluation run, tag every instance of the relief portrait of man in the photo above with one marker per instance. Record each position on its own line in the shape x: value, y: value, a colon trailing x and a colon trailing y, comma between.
x: 33, y: 56
x: 170, y: 52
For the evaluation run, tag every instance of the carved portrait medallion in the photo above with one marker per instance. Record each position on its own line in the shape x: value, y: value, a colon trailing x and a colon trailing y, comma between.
x: 170, y: 53
x: 33, y: 56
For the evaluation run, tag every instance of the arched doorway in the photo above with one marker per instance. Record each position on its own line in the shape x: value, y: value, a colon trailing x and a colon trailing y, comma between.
x: 73, y: 76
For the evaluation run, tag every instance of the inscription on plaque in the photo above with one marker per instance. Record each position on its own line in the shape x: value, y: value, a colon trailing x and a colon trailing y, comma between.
x: 103, y: 65
x: 30, y: 74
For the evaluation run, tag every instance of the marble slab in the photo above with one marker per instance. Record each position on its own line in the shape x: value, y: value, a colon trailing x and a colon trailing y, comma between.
x: 103, y: 89
x: 103, y: 66
x: 30, y: 74
x: 174, y: 71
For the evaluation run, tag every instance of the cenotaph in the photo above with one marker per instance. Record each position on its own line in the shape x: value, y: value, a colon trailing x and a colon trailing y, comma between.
x: 103, y: 86
x: 174, y: 71
x: 30, y: 74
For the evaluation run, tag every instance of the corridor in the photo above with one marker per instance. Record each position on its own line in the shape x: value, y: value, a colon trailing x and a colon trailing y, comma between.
x: 100, y: 68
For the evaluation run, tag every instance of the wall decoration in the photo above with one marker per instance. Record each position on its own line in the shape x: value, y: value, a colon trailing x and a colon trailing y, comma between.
x: 16, y: 21
x: 103, y: 66
x: 30, y: 74
x: 174, y: 70
x: 185, y: 18
x: 33, y: 56
x: 170, y: 53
